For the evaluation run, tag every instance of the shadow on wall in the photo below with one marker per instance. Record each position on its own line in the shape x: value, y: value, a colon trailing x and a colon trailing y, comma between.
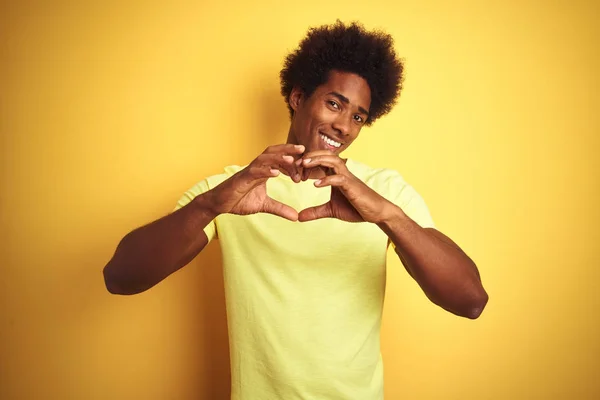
x: 207, y: 306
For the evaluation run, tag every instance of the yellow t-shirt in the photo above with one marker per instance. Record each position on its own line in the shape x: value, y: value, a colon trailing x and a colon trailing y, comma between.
x: 304, y: 300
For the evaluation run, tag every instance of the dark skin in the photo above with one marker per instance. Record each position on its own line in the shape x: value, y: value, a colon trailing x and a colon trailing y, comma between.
x: 337, y: 109
x: 446, y: 274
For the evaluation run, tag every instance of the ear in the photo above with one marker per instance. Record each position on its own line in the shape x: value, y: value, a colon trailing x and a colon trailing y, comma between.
x: 296, y: 97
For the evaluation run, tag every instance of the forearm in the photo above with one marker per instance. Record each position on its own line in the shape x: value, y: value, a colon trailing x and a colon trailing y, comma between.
x: 446, y: 274
x: 150, y: 253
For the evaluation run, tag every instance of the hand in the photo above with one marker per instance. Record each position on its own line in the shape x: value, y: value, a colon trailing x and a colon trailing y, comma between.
x: 246, y: 192
x: 351, y: 199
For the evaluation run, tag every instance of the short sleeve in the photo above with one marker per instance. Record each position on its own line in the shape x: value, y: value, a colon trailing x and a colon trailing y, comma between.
x: 201, y: 187
x: 414, y: 206
x: 395, y: 189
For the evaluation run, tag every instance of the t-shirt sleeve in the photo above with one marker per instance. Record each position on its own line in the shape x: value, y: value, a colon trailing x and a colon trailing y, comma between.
x: 201, y: 187
x: 399, y: 192
x: 414, y: 206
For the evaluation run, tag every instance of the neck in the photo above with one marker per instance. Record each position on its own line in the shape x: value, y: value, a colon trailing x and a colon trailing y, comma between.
x: 291, y: 138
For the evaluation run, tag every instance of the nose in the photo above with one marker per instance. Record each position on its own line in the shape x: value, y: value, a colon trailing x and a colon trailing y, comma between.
x: 342, y: 124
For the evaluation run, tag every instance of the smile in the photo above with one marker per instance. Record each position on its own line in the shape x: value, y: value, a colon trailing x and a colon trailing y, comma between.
x: 330, y: 141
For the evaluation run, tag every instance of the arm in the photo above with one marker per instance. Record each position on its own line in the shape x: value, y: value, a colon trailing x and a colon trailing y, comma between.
x: 446, y: 274
x: 149, y: 254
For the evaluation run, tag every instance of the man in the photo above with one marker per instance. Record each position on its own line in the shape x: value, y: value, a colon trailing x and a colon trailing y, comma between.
x: 304, y: 234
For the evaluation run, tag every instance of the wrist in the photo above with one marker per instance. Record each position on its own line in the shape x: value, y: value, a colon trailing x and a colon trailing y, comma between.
x: 206, y: 204
x: 391, y: 215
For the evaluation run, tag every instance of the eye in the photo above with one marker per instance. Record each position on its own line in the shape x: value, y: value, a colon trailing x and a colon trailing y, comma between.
x: 358, y: 118
x: 333, y: 104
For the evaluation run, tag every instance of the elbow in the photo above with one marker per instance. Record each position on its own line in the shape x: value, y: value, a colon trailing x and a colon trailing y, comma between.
x: 477, y: 306
x: 112, y: 282
x: 116, y: 284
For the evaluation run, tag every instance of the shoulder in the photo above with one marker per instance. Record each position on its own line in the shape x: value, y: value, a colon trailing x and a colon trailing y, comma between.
x: 217, y: 179
x: 212, y: 181
x: 382, y: 180
x: 391, y: 185
x: 207, y: 184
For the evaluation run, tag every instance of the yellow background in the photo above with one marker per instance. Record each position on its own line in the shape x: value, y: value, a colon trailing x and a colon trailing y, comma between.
x: 108, y: 112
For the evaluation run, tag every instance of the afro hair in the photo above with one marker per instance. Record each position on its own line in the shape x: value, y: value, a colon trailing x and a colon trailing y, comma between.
x: 346, y: 48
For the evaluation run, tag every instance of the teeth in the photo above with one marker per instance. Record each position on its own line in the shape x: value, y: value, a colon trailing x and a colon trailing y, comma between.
x: 330, y: 141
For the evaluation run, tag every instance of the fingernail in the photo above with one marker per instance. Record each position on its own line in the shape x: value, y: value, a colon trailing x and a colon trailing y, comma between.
x: 306, y: 160
x: 318, y: 182
x: 299, y: 147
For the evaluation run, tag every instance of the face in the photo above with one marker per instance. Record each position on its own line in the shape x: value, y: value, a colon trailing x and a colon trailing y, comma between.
x: 331, y: 118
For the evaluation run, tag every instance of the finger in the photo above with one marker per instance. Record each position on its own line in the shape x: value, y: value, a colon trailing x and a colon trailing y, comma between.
x: 299, y: 169
x: 261, y: 172
x: 276, y: 208
x: 315, y: 153
x: 287, y: 148
x: 294, y: 170
x: 313, y: 213
x: 305, y: 173
x: 282, y: 162
x: 310, y: 155
x: 332, y: 180
x: 293, y: 150
x: 329, y: 161
x: 296, y: 167
x: 274, y: 159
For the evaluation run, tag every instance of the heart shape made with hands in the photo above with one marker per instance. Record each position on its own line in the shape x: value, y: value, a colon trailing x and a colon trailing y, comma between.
x: 351, y: 199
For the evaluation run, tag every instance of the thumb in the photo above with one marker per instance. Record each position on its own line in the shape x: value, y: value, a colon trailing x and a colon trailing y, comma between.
x: 276, y: 208
x: 317, y: 212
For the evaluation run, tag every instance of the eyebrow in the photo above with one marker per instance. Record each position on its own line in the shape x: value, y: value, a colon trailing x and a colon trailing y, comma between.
x: 345, y: 100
